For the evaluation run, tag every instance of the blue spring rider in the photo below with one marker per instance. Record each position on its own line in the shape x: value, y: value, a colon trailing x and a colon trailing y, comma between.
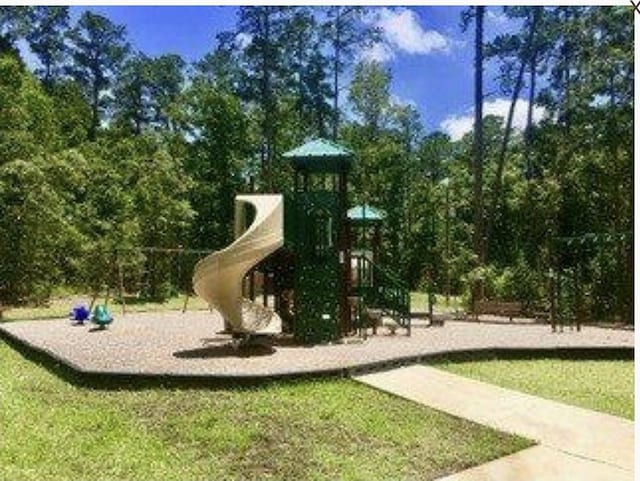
x: 101, y: 316
x: 80, y: 313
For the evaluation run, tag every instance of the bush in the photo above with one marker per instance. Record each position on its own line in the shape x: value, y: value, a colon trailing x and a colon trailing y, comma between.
x: 518, y: 282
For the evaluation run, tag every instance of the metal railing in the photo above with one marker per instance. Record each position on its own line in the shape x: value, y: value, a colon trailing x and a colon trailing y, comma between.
x: 378, y: 288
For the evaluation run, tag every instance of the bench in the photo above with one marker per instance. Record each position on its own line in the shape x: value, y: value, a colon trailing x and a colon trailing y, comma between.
x: 498, y: 308
x: 542, y: 316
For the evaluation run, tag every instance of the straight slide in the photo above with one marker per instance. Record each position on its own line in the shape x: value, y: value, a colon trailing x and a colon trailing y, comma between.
x: 218, y: 277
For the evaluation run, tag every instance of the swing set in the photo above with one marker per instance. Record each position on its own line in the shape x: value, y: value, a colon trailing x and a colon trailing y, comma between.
x: 155, y: 275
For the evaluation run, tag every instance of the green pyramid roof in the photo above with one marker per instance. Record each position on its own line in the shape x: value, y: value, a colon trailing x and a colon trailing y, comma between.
x: 366, y: 213
x: 321, y: 155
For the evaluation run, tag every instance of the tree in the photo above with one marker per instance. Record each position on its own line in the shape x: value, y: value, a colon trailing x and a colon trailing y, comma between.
x: 317, y: 91
x: 307, y: 65
x: 346, y: 33
x: 369, y: 94
x: 132, y: 102
x: 435, y: 151
x: 72, y: 113
x: 98, y: 48
x: 46, y: 38
x: 27, y: 120
x: 263, y: 56
x: 14, y: 22
x: 222, y: 67
x: 163, y: 211
x: 478, y: 142
x: 588, y: 93
x: 523, y: 49
x: 217, y: 127
x: 145, y: 90
x: 166, y: 80
x: 405, y: 118
x: 33, y: 233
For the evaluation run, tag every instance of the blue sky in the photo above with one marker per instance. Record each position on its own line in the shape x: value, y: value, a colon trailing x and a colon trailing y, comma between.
x: 430, y: 58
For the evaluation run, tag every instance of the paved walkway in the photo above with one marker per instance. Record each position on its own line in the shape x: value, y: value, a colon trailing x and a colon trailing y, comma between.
x: 575, y: 443
x: 175, y: 344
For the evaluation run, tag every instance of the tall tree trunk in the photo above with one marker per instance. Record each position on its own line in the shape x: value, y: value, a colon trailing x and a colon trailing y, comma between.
x: 95, y: 111
x: 266, y: 103
x: 47, y: 74
x: 478, y: 144
x: 533, y: 66
x: 336, y: 74
x: 497, y: 185
x: 528, y: 131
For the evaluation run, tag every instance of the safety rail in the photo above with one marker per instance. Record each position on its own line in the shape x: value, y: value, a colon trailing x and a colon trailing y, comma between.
x: 377, y: 288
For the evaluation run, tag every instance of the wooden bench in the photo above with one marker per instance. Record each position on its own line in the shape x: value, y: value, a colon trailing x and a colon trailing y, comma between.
x: 542, y: 316
x: 498, y: 308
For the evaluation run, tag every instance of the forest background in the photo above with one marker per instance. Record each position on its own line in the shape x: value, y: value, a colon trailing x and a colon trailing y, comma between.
x: 107, y: 153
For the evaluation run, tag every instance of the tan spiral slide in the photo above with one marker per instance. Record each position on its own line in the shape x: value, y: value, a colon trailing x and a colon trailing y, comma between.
x: 218, y: 277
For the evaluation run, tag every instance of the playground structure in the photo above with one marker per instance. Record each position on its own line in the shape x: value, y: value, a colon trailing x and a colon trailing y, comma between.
x: 299, y: 246
x: 315, y: 262
x: 218, y: 277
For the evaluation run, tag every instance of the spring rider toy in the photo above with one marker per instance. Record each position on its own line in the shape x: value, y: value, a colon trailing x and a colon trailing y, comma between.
x: 79, y: 314
x: 101, y: 316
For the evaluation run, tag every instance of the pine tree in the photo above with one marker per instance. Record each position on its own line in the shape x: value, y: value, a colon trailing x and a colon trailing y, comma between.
x: 98, y: 48
x: 47, y: 40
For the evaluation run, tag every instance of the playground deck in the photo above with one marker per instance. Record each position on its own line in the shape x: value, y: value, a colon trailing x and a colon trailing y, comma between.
x: 176, y: 344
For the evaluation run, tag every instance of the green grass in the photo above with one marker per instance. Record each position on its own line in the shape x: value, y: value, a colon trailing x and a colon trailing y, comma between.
x: 419, y: 303
x: 53, y: 429
x: 601, y: 385
x: 60, y: 307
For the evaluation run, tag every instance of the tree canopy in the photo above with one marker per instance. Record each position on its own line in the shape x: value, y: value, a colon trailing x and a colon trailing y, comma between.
x: 105, y: 149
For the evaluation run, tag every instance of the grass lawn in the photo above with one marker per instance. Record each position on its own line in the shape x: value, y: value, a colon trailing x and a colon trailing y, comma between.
x: 61, y: 305
x: 601, y: 385
x: 53, y: 429
x: 419, y: 303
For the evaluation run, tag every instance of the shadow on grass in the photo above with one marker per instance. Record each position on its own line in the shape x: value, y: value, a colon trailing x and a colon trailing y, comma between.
x: 570, y: 353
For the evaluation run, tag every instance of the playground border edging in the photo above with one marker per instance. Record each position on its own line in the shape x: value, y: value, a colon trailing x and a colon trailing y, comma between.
x: 33, y: 352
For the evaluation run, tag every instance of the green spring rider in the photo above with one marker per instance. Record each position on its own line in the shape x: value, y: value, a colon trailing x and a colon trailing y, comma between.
x: 101, y: 316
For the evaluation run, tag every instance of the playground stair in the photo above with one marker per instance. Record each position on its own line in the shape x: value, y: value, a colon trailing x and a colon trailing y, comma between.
x: 376, y: 288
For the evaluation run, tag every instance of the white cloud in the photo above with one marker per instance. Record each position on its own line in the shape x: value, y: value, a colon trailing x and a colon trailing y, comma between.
x: 242, y: 40
x: 458, y: 125
x: 402, y: 32
x: 379, y: 52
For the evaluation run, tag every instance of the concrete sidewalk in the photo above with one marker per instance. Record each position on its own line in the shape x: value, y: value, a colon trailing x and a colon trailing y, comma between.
x: 541, y: 463
x: 575, y: 443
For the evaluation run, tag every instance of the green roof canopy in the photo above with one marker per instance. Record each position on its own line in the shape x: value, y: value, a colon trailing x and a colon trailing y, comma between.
x: 321, y: 155
x: 366, y: 214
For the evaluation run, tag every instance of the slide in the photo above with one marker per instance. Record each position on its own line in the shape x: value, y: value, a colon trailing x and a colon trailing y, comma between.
x: 218, y: 277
